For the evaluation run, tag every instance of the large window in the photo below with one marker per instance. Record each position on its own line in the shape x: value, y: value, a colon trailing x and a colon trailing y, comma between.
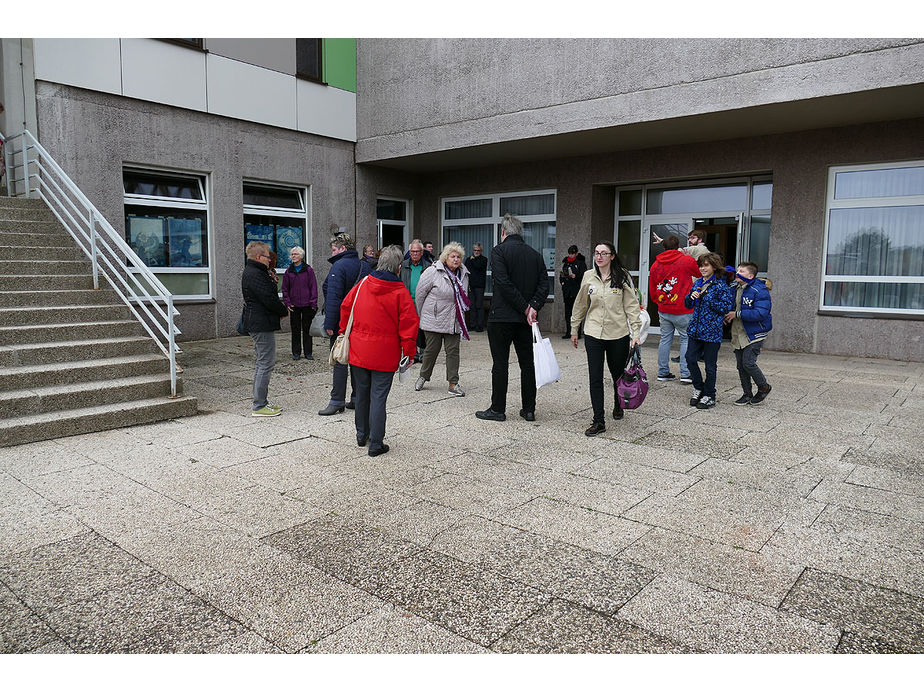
x: 392, y: 221
x: 167, y: 225
x: 278, y: 216
x: 874, y: 239
x: 468, y: 220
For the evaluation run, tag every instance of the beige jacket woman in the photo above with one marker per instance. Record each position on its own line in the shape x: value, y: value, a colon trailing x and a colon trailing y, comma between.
x: 609, y: 312
x: 436, y: 299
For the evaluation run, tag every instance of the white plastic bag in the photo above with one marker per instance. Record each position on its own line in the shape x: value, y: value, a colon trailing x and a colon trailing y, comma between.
x: 546, y: 365
x: 646, y: 325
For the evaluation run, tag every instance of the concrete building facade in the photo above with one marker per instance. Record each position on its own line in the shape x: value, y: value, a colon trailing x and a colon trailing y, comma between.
x: 805, y: 155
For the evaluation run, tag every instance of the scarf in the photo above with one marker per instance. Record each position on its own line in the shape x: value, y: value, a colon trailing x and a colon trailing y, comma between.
x: 462, y: 302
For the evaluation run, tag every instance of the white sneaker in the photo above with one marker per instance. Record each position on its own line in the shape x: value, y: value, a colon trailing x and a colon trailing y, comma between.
x: 418, y: 386
x: 454, y: 389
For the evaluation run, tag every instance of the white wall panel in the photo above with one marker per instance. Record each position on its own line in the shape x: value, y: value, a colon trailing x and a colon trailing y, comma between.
x: 239, y: 90
x: 88, y: 63
x: 164, y: 73
x: 326, y: 111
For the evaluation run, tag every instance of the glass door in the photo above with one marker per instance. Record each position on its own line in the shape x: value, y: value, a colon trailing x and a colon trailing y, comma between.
x: 654, y: 233
x: 393, y: 233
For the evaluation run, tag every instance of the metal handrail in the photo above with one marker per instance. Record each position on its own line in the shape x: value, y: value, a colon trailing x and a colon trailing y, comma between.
x: 37, y: 173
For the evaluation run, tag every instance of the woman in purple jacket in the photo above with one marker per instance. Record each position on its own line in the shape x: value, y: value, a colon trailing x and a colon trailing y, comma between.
x: 300, y: 294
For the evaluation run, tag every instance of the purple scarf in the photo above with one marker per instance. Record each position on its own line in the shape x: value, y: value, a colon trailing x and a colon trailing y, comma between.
x: 462, y: 301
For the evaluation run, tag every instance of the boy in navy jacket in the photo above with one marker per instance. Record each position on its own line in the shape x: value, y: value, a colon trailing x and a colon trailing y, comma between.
x: 751, y: 322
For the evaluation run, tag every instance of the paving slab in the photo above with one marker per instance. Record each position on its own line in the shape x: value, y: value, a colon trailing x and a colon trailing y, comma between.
x: 21, y: 629
x: 642, y: 477
x: 712, y: 621
x: 887, y: 480
x: 851, y: 643
x: 470, y: 495
x: 870, y: 499
x: 393, y: 631
x: 564, y: 628
x: 863, y: 609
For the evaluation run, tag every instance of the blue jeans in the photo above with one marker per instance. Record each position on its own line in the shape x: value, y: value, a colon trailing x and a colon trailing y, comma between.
x: 669, y: 324
x: 264, y: 346
x: 710, y: 353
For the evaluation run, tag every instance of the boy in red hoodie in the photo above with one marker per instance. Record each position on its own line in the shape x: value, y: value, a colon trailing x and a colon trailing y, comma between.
x: 670, y: 279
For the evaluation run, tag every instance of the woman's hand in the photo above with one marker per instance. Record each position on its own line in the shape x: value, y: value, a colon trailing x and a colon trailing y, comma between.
x: 634, y: 343
x: 574, y: 341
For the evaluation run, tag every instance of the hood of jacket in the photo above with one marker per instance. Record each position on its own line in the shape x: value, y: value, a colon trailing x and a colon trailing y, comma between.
x: 668, y: 257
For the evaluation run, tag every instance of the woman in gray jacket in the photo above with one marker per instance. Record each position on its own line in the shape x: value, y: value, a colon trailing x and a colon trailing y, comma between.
x: 442, y: 300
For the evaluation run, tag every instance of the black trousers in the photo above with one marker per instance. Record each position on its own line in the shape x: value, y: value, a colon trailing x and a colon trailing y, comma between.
x: 372, y: 388
x: 476, y: 312
x: 569, y: 308
x: 301, y: 318
x: 500, y: 336
x: 616, y: 352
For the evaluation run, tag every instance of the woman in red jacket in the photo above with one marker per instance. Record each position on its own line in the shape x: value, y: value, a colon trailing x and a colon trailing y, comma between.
x: 384, y: 326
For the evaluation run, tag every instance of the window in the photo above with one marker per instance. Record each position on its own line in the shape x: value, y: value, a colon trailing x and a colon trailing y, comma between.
x: 392, y: 221
x: 277, y: 216
x: 468, y: 220
x: 167, y: 225
x: 874, y: 239
x: 308, y: 59
x: 194, y: 43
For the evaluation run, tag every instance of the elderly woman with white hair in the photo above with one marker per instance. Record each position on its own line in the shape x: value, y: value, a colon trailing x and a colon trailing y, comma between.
x: 300, y: 295
x: 384, y: 327
x: 442, y: 301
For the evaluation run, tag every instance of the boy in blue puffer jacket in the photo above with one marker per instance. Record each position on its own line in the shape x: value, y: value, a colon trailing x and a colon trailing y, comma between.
x: 710, y: 298
x: 751, y: 322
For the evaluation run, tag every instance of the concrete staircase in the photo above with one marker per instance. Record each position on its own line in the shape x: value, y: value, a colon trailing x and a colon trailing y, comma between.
x: 72, y: 359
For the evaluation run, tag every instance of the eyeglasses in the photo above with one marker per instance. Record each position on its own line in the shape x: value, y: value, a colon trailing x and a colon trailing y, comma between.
x: 596, y: 254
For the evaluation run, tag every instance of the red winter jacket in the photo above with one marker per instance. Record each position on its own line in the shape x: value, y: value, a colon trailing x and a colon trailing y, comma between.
x: 384, y: 323
x: 670, y: 279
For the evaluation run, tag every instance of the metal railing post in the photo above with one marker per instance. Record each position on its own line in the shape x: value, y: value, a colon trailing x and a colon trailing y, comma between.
x: 8, y: 178
x: 172, y: 340
x: 93, y: 251
x: 25, y: 165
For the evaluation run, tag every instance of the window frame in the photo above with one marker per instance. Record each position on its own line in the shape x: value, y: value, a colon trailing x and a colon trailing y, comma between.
x: 498, y: 218
x: 195, y: 45
x: 857, y: 203
x: 304, y: 213
x: 319, y: 79
x: 157, y: 202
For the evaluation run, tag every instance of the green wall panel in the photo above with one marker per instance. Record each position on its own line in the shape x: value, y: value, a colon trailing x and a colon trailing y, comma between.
x: 339, y: 62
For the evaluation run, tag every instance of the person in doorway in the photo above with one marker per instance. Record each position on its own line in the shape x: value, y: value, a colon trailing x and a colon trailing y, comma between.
x: 751, y: 322
x: 300, y: 294
x: 573, y: 267
x: 411, y: 269
x: 521, y: 285
x: 345, y: 271
x: 442, y: 294
x: 262, y: 311
x: 711, y: 299
x: 384, y: 326
x: 608, y: 306
x: 696, y: 243
x: 669, y: 281
x: 428, y: 250
x: 370, y: 257
x: 477, y: 266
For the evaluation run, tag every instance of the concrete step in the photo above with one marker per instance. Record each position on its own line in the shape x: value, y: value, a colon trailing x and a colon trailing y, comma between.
x: 22, y: 203
x: 30, y: 213
x: 64, y: 332
x: 19, y: 238
x: 74, y: 350
x: 55, y: 315
x: 49, y: 398
x: 49, y: 252
x: 40, y: 299
x: 50, y: 282
x: 85, y: 370
x: 28, y: 429
x: 31, y: 226
x: 17, y: 267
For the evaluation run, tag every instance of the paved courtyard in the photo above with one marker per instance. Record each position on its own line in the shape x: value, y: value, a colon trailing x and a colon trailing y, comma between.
x: 796, y: 526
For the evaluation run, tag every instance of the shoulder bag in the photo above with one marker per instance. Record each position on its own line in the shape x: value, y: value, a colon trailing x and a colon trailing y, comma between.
x: 340, y: 352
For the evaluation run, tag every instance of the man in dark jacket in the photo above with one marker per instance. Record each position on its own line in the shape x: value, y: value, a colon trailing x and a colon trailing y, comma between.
x: 477, y: 281
x: 262, y: 310
x: 521, y: 285
x: 346, y: 269
x: 573, y: 267
x: 413, y: 266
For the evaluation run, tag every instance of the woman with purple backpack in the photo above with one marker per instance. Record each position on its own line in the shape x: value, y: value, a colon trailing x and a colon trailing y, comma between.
x: 607, y: 305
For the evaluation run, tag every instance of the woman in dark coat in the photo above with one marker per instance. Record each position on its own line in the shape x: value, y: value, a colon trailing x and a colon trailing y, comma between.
x: 572, y: 271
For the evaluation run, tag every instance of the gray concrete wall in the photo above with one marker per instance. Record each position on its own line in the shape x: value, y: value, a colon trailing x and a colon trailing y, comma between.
x: 431, y: 94
x: 373, y: 182
x: 799, y: 164
x: 93, y: 134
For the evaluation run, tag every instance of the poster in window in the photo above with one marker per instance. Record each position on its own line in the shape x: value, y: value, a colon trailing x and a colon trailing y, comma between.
x: 146, y: 236
x: 287, y: 237
x: 185, y: 242
x: 260, y: 232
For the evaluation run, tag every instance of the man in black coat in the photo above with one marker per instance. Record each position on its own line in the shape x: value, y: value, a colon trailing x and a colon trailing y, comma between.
x: 477, y: 281
x: 521, y: 285
x: 262, y: 311
x: 573, y: 267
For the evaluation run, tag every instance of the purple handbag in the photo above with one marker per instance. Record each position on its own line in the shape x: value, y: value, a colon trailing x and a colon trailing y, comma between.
x: 632, y: 385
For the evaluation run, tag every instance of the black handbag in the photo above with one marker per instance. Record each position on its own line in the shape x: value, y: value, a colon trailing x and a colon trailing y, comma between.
x: 240, y: 323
